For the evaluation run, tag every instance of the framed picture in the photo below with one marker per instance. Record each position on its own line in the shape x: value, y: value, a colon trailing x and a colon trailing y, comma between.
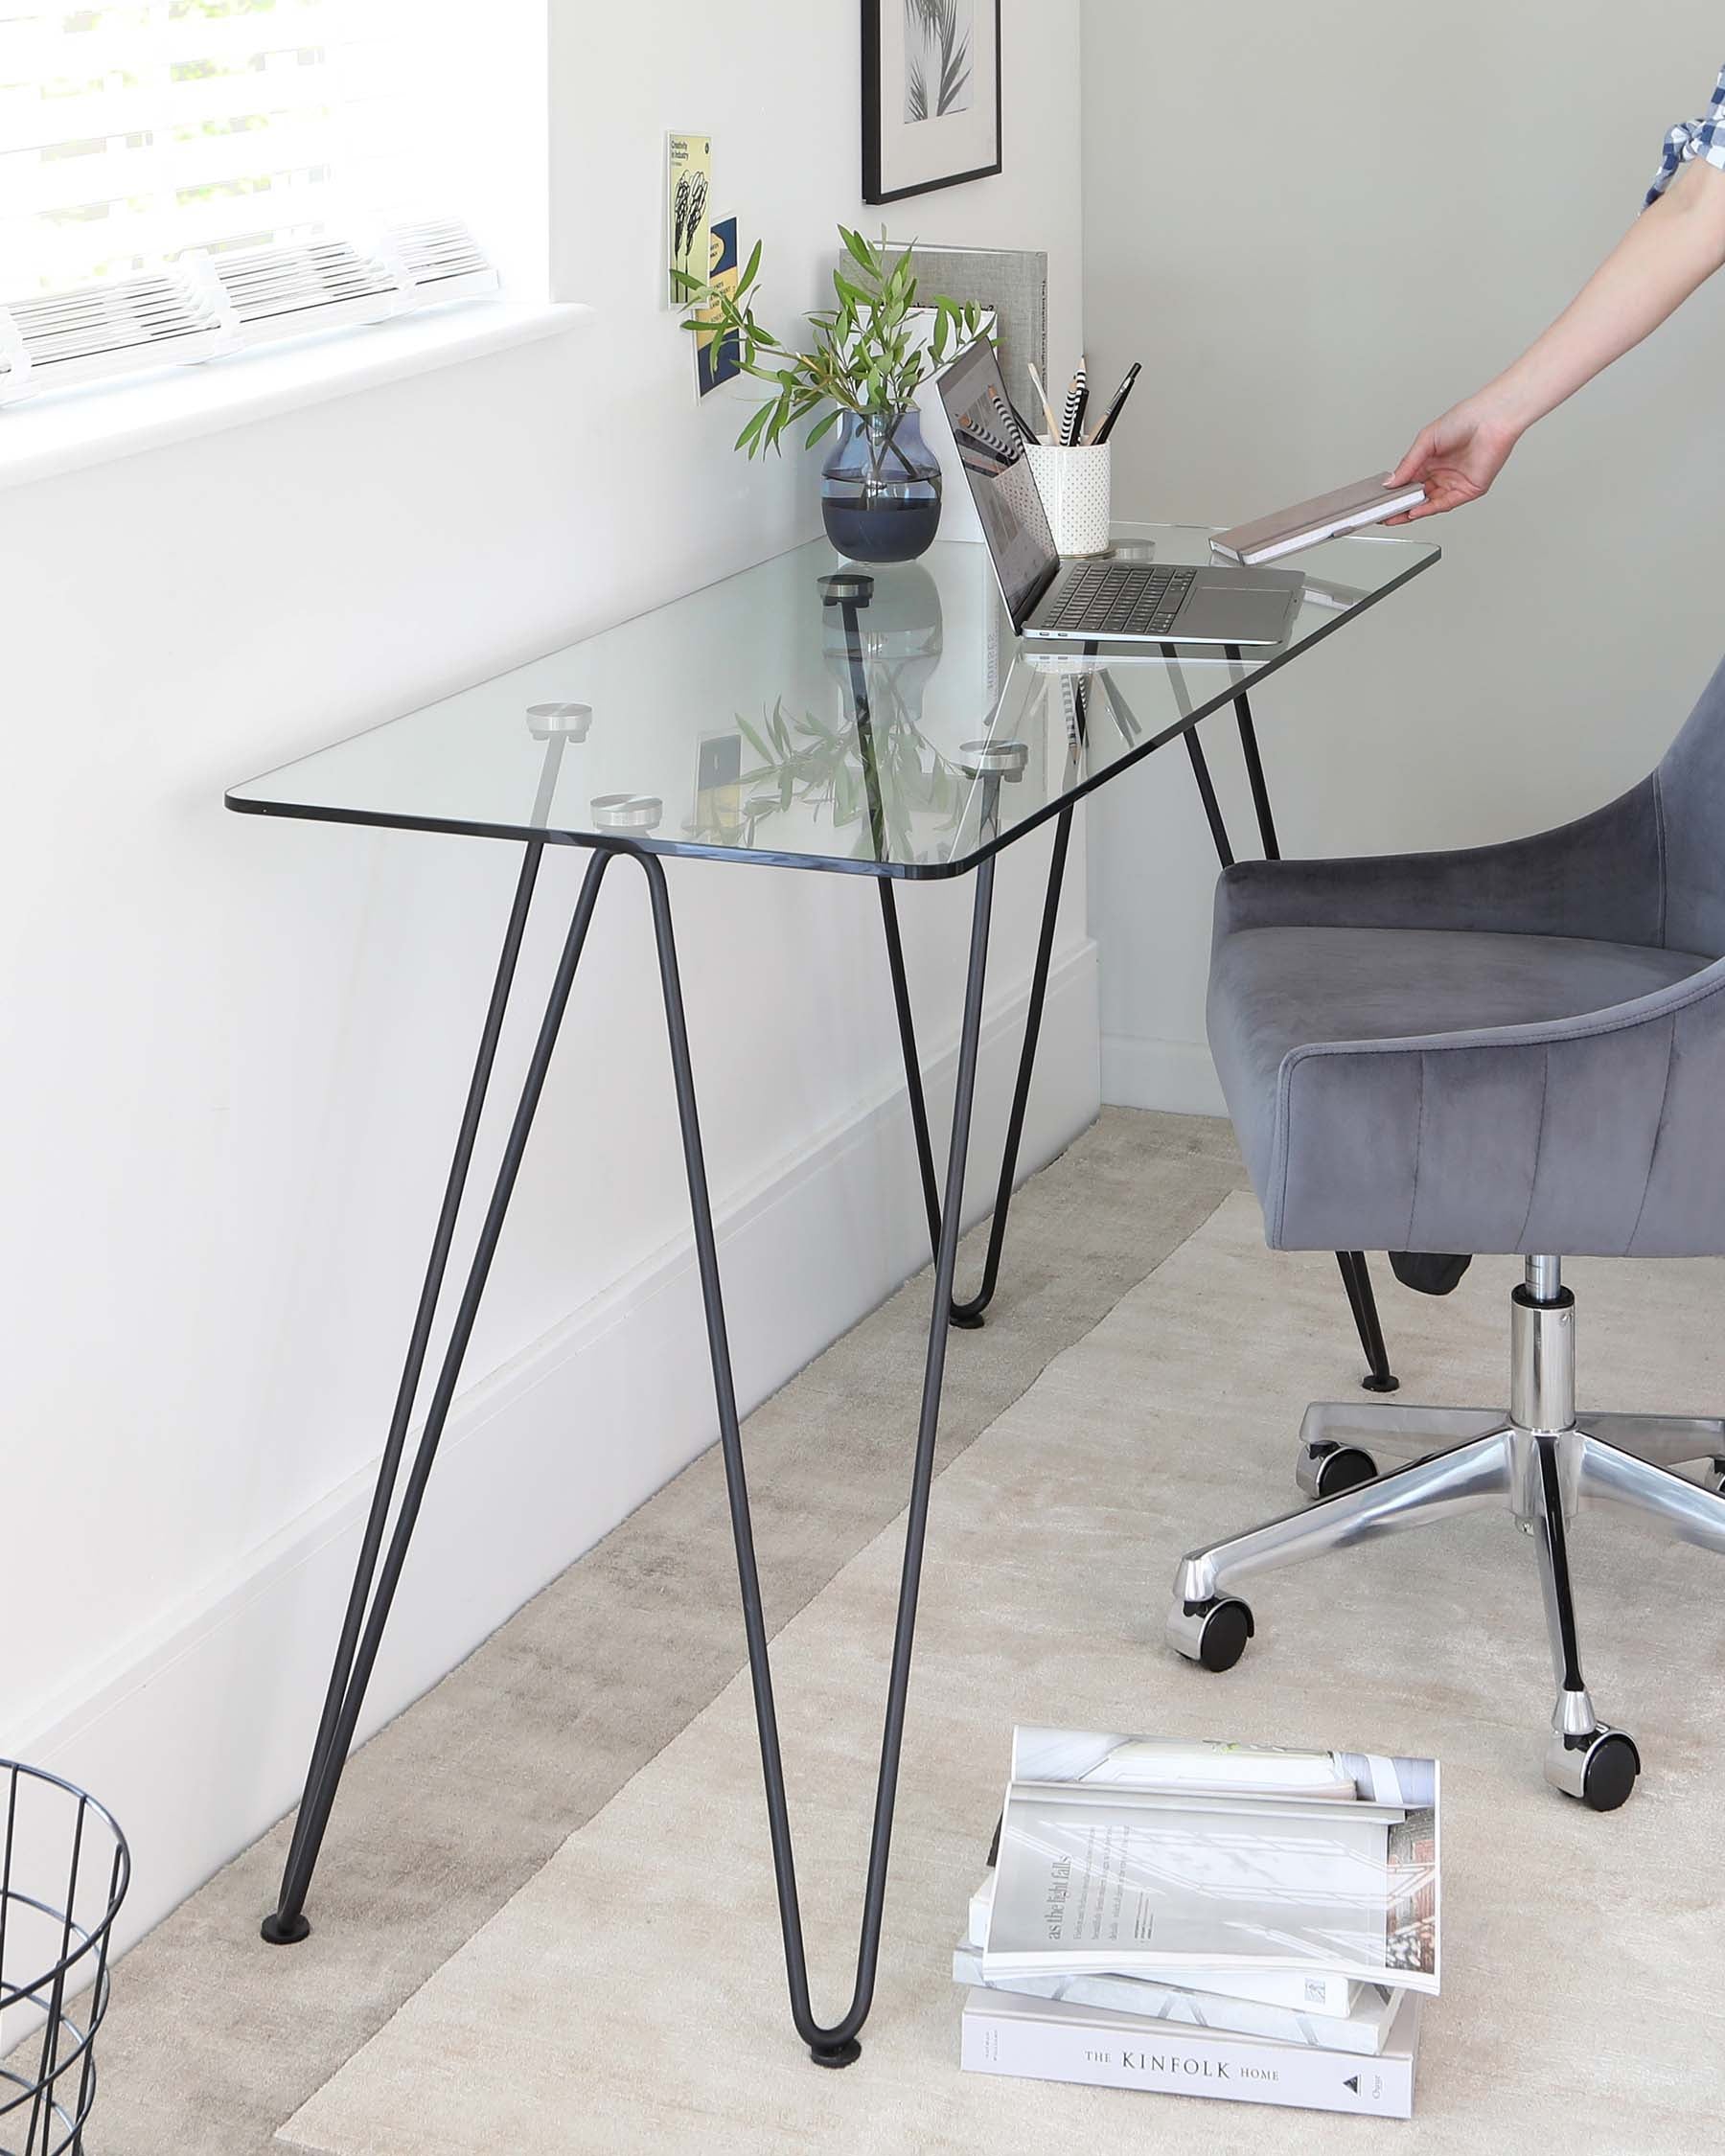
x: 931, y: 95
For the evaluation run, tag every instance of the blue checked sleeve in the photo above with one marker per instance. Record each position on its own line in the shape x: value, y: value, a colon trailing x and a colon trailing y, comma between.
x: 1692, y: 137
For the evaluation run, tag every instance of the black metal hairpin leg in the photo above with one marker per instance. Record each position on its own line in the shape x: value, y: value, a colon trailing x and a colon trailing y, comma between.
x: 969, y: 1313
x: 1206, y: 794
x: 1254, y: 768
x: 362, y: 1628
x: 913, y: 1084
x: 834, y: 2044
x: 368, y: 1611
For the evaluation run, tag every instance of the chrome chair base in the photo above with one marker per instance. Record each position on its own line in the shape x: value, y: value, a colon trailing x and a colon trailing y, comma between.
x: 1537, y: 1462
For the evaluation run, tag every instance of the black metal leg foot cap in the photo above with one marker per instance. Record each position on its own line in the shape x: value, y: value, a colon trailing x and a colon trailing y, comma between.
x: 284, y: 1931
x: 966, y: 1320
x: 846, y: 2054
x: 1385, y: 1384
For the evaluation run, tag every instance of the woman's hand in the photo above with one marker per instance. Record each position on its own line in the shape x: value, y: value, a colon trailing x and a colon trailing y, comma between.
x: 1457, y: 457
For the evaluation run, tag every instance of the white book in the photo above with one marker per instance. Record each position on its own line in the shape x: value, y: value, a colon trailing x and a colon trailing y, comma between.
x: 1171, y: 1879
x: 1363, y: 2032
x: 1303, y: 1991
x: 1047, y: 2040
x: 1349, y: 509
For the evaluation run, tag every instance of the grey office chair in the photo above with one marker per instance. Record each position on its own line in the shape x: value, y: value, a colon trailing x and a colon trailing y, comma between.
x: 1515, y: 1048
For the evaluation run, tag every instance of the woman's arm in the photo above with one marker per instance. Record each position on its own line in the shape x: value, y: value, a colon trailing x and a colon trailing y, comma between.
x: 1671, y: 249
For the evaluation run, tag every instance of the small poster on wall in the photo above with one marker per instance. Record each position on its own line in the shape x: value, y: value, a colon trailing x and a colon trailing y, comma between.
x: 688, y: 176
x: 931, y: 95
x: 718, y: 359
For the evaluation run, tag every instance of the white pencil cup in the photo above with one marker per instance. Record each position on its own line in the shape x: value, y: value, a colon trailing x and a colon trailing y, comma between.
x: 1074, y: 489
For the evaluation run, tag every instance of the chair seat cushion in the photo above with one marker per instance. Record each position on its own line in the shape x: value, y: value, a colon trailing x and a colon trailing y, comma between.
x: 1273, y: 990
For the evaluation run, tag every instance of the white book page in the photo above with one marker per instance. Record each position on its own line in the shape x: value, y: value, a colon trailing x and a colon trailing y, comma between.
x: 1127, y: 1856
x: 1106, y: 1881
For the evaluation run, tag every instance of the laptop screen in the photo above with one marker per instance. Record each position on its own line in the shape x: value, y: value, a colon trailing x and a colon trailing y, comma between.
x: 992, y: 452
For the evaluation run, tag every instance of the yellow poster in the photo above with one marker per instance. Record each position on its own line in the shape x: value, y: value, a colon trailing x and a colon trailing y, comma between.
x: 689, y: 172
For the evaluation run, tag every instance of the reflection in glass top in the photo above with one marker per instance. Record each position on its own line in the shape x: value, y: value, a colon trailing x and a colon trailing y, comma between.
x: 903, y: 731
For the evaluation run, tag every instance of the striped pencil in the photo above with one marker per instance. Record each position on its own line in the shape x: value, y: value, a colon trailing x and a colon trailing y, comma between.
x: 1076, y: 399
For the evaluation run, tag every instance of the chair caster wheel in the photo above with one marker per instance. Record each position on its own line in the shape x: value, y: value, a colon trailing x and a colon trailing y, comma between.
x: 1211, y: 1633
x: 1327, y: 1470
x: 1599, y: 1770
x: 1609, y: 1779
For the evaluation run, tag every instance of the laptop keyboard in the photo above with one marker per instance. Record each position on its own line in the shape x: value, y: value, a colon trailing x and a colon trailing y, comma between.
x: 1120, y: 597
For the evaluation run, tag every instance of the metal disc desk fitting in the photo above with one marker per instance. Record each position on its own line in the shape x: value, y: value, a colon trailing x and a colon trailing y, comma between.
x: 626, y: 811
x: 559, y: 722
x: 843, y: 585
x: 994, y: 759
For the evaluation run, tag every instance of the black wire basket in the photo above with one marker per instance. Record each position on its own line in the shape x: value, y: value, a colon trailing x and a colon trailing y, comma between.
x: 64, y: 1868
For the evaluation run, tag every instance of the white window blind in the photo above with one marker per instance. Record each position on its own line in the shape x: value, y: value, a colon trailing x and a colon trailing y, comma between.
x: 134, y: 131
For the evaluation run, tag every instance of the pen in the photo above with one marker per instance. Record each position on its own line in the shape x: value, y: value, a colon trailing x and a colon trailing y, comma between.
x: 1106, y: 426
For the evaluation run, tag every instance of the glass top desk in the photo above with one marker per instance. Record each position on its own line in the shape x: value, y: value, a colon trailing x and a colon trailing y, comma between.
x: 882, y: 722
x: 726, y: 725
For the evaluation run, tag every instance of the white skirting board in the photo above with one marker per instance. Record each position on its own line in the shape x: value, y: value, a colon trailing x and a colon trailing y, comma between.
x: 197, y: 1731
x: 1177, y: 1076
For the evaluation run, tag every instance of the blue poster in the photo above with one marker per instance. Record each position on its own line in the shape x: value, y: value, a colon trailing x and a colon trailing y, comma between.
x: 716, y: 357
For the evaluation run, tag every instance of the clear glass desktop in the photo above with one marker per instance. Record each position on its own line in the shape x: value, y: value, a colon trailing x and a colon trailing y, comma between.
x: 909, y: 734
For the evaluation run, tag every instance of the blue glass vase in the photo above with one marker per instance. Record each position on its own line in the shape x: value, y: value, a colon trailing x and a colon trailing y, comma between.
x: 880, y: 488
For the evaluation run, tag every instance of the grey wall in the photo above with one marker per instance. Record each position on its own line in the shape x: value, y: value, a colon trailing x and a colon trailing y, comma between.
x: 1318, y: 227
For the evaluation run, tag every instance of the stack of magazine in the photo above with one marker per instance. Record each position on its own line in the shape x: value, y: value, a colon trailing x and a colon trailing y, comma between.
x: 1228, y: 1920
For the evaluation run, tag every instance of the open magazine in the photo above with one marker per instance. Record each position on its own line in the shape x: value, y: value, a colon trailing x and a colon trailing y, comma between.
x: 1147, y: 1857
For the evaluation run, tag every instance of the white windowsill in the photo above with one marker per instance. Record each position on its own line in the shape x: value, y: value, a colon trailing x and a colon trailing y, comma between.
x: 65, y: 430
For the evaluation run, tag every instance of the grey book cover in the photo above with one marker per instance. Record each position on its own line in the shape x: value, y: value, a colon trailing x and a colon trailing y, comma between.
x: 1013, y: 283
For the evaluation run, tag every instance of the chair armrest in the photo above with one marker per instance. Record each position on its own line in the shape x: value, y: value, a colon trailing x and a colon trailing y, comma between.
x: 1600, y: 877
x: 1593, y: 1135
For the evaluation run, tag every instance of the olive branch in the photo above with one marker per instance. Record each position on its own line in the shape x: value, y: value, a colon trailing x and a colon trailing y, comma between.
x: 863, y: 358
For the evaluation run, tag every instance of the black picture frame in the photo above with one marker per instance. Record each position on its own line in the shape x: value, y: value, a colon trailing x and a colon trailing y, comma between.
x: 873, y: 189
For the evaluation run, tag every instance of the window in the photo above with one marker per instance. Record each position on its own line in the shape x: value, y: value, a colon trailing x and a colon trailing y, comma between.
x: 132, y: 131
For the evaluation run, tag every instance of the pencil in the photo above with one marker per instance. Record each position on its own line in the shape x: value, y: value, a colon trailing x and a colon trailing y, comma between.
x: 1036, y: 383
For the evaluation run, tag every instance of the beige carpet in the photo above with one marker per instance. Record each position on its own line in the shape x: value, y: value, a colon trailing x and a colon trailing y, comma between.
x: 630, y: 1996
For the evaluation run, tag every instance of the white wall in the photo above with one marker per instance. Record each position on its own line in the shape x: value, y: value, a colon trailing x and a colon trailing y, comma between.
x: 1319, y: 226
x: 237, y: 1050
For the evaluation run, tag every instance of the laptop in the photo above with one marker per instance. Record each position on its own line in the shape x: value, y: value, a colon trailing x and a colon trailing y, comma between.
x: 1114, y: 602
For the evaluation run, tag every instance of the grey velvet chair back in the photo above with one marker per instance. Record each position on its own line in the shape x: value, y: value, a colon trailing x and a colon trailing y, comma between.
x: 1689, y: 800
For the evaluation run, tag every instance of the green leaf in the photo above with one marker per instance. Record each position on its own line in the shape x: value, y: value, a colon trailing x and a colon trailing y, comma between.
x: 825, y: 426
x: 754, y: 738
x: 858, y: 247
x: 745, y: 440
